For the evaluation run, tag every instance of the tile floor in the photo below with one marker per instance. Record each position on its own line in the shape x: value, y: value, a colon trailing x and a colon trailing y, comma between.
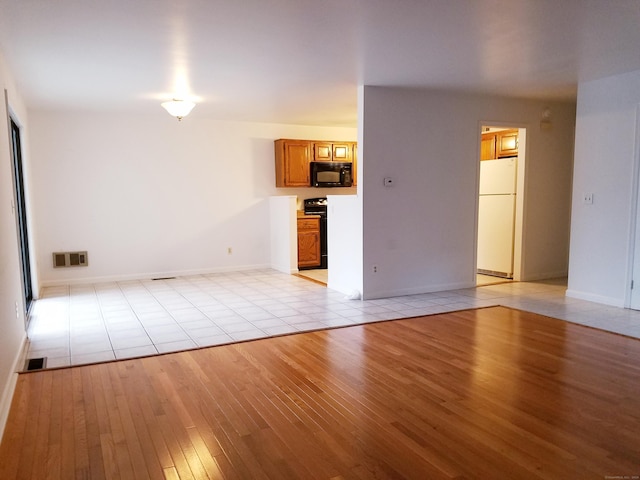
x: 73, y: 325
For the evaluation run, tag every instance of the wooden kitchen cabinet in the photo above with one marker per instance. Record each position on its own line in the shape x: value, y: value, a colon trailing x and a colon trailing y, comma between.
x: 333, y: 152
x: 488, y: 146
x: 293, y: 158
x: 354, y: 169
x: 309, y: 242
x: 499, y: 144
x: 292, y: 162
x: 507, y: 143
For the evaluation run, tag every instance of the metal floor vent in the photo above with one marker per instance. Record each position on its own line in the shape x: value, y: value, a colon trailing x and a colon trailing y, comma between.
x: 164, y: 278
x: 35, y: 364
x: 70, y: 259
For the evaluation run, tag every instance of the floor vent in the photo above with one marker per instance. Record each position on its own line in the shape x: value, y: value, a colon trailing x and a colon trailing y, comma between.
x: 164, y: 278
x: 36, y: 364
x: 70, y: 259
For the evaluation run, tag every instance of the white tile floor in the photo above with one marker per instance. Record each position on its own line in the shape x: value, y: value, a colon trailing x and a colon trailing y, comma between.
x: 75, y: 325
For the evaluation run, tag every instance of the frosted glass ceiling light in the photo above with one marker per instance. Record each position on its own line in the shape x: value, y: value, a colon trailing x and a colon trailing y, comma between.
x: 178, y: 108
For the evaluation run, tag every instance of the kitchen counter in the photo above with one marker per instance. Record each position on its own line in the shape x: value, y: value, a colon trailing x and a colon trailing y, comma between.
x: 301, y: 214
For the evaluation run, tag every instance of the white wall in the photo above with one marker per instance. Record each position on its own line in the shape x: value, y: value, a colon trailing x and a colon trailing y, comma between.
x: 421, y: 232
x: 604, y: 165
x: 151, y: 196
x: 284, y: 233
x: 344, y: 232
x: 12, y: 329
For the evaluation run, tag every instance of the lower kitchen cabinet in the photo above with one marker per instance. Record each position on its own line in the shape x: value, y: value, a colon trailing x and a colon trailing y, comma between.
x: 309, y: 242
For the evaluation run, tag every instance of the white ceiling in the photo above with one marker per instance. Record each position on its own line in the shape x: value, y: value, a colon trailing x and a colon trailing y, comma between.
x: 300, y: 61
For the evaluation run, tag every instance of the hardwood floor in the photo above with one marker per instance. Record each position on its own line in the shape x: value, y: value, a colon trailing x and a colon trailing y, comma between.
x: 489, y: 393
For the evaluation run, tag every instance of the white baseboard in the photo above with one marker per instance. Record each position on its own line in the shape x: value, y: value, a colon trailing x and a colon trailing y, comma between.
x: 285, y: 269
x: 147, y: 276
x: 10, y: 386
x: 544, y: 276
x: 590, y: 297
x: 417, y: 290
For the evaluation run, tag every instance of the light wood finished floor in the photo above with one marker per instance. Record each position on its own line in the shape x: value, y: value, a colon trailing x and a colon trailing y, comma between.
x: 320, y: 276
x: 493, y: 393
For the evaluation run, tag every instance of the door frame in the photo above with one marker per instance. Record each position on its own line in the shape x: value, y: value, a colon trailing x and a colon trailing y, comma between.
x: 521, y: 194
x: 632, y: 300
x: 21, y: 215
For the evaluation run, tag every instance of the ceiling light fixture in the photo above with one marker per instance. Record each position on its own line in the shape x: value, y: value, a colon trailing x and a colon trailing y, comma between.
x: 178, y: 108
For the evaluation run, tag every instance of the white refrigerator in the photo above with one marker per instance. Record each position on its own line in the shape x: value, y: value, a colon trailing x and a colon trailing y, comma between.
x: 496, y: 216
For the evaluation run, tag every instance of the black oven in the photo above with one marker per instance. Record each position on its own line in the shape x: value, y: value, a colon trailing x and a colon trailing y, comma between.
x: 331, y: 174
x: 318, y: 206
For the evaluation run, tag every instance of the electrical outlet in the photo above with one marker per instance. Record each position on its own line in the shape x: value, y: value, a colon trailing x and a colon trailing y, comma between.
x: 229, y: 251
x: 375, y: 269
x: 587, y: 199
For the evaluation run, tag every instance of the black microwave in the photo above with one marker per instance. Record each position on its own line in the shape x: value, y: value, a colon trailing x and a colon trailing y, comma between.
x: 331, y: 174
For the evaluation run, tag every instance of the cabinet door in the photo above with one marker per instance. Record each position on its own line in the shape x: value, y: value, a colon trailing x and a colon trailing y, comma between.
x: 342, y: 152
x: 507, y: 143
x: 292, y: 163
x: 309, y: 249
x: 332, y: 152
x: 354, y: 159
x: 322, y: 152
x: 488, y: 146
x: 309, y: 242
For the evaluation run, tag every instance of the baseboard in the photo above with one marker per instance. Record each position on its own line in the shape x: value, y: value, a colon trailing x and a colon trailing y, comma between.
x: 147, y: 276
x: 417, y: 290
x: 10, y: 386
x: 345, y: 289
x: 285, y: 269
x: 590, y: 297
x: 544, y: 276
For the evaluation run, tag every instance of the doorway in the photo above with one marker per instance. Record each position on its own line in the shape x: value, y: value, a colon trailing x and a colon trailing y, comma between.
x: 21, y: 214
x: 500, y: 206
x: 633, y: 294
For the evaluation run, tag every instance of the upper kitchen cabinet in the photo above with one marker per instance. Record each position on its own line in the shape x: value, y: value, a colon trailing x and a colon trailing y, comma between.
x: 294, y: 156
x: 507, y: 143
x: 499, y: 144
x: 488, y: 146
x: 332, y: 152
x: 292, y: 162
x: 355, y: 164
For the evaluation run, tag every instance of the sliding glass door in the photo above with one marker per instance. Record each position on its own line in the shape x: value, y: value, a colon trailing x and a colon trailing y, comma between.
x: 21, y: 213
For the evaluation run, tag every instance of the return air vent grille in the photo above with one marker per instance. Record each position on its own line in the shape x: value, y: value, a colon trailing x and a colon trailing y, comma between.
x: 35, y: 364
x: 70, y: 259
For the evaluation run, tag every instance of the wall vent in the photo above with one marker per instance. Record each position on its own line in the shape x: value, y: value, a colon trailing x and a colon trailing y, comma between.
x: 70, y: 259
x: 35, y: 364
